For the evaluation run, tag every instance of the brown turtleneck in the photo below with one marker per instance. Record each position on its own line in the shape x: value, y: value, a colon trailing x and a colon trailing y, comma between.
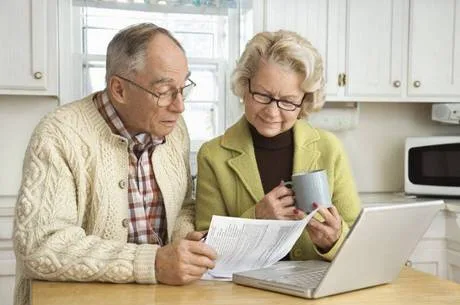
x: 274, y: 157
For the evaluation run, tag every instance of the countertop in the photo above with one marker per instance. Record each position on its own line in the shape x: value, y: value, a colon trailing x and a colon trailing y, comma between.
x: 451, y: 204
x: 412, y: 287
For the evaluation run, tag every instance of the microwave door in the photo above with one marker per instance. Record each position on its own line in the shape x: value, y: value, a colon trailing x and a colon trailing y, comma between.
x: 435, y: 165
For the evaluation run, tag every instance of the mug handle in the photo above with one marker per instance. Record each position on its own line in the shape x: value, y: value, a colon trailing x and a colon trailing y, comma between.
x: 288, y: 184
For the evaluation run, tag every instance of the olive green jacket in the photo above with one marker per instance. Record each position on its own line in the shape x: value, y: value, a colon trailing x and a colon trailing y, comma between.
x: 229, y: 183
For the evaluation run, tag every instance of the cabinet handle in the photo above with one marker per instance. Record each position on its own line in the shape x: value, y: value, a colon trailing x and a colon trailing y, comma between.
x: 396, y: 84
x: 408, y: 263
x: 38, y: 75
x: 417, y: 84
x: 342, y: 79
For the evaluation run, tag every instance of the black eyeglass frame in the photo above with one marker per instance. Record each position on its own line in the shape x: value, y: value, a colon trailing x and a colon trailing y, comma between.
x: 272, y: 99
x: 158, y: 95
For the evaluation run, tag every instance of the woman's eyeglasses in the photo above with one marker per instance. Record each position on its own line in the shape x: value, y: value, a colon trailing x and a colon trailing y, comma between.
x: 267, y: 99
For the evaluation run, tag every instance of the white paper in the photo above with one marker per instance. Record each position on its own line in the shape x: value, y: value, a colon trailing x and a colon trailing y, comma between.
x: 245, y: 244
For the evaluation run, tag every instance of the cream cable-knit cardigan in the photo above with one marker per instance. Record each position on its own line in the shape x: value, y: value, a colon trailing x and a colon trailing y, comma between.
x: 70, y: 216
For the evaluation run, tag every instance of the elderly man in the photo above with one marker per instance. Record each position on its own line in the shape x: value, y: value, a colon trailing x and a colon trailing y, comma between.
x: 105, y: 178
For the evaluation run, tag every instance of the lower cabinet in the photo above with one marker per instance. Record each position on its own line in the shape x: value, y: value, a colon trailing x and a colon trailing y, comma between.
x: 430, y: 254
x: 453, y: 246
x: 438, y: 252
x: 430, y: 259
x: 453, y: 265
x: 7, y: 259
x: 7, y: 288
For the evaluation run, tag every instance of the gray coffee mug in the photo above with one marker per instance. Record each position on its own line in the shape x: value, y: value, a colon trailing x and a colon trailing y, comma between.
x: 310, y: 187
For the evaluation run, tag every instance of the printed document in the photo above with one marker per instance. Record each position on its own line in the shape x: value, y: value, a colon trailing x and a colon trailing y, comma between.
x: 244, y: 244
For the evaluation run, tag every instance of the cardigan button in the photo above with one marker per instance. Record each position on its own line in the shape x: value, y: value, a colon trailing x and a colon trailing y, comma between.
x: 122, y: 184
x: 125, y: 223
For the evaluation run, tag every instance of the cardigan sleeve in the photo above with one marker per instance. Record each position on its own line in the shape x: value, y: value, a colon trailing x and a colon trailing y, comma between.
x: 49, y: 237
x: 185, y: 221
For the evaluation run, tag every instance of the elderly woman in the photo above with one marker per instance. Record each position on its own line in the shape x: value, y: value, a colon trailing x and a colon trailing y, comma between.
x: 279, y: 77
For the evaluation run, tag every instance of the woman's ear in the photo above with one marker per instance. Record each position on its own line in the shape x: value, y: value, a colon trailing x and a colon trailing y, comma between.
x: 117, y: 90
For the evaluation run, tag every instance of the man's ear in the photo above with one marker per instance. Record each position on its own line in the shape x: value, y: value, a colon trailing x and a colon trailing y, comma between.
x: 117, y: 89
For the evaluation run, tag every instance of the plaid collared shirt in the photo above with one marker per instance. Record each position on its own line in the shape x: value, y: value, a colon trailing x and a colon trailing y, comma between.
x: 146, y: 206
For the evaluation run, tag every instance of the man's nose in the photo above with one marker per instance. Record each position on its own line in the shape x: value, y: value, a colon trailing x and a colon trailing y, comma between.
x: 177, y: 104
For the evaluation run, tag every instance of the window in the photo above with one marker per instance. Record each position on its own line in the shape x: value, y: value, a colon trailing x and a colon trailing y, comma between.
x: 208, y: 31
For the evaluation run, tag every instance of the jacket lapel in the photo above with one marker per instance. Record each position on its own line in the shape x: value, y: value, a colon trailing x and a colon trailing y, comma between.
x: 243, y: 162
x: 306, y: 153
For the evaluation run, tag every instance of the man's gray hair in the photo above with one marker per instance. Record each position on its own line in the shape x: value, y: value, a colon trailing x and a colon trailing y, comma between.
x: 127, y: 50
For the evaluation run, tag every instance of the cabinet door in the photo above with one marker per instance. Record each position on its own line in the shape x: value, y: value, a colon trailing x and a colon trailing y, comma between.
x: 453, y: 246
x: 28, y: 55
x: 374, y: 47
x: 453, y: 265
x: 311, y: 20
x: 434, y: 48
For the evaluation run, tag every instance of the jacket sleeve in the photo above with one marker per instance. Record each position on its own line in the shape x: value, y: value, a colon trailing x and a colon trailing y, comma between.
x: 50, y: 241
x: 344, y: 195
x: 209, y: 199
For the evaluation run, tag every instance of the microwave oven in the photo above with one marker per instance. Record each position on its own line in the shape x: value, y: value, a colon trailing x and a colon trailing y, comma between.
x: 432, y: 166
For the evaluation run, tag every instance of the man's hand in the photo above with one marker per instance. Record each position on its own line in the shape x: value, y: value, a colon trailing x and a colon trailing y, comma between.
x: 278, y: 204
x: 185, y: 261
x: 196, y: 235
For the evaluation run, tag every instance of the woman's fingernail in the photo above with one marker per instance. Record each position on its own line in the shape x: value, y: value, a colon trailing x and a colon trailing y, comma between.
x: 315, y: 205
x: 296, y: 211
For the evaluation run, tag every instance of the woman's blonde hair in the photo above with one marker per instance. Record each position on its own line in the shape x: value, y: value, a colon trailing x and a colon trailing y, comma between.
x: 290, y: 50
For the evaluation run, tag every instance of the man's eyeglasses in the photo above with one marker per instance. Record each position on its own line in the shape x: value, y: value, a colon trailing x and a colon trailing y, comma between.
x: 267, y: 99
x: 167, y: 98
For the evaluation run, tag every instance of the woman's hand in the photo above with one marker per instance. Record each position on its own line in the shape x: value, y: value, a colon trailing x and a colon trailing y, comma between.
x: 278, y: 204
x: 325, y: 234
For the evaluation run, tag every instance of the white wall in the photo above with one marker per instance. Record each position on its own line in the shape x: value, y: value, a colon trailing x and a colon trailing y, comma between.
x: 376, y: 147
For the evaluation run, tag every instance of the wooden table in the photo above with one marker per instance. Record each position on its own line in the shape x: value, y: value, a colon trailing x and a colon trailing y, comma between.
x: 412, y: 287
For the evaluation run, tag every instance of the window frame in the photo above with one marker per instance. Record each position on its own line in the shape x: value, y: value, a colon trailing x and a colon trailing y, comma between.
x: 80, y: 76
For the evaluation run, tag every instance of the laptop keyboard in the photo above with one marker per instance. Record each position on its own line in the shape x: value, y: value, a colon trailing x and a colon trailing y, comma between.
x: 305, y: 276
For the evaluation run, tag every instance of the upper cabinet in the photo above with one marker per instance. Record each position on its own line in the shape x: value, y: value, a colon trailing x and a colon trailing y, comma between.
x: 434, y: 49
x: 311, y: 19
x: 374, y: 48
x: 393, y: 50
x: 28, y: 55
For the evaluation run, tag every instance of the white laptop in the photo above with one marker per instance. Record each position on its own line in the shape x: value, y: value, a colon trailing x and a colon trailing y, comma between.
x: 373, y: 253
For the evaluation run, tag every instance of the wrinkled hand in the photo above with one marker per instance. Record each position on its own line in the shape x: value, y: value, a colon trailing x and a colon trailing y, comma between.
x: 195, y: 235
x: 278, y: 204
x: 325, y: 234
x: 184, y: 261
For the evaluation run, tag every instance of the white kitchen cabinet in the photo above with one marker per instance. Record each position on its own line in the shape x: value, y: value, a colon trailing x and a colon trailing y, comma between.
x: 313, y: 20
x: 438, y: 252
x: 395, y: 50
x: 28, y: 55
x: 7, y: 259
x: 453, y: 246
x: 430, y: 254
x: 434, y: 49
x: 374, y: 47
x: 400, y: 50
